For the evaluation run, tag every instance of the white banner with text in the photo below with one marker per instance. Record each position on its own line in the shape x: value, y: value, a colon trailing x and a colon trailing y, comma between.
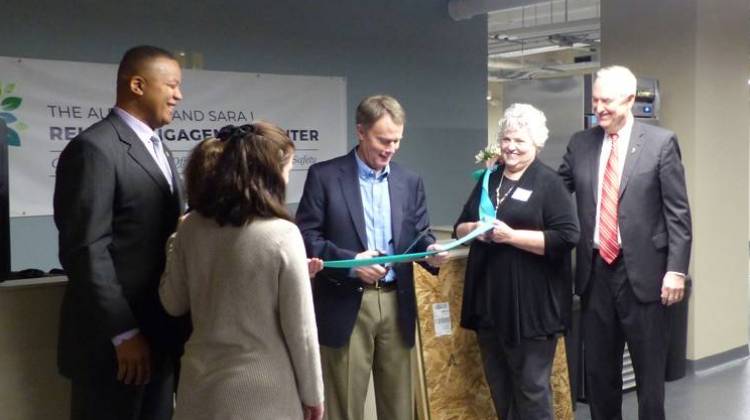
x: 47, y: 103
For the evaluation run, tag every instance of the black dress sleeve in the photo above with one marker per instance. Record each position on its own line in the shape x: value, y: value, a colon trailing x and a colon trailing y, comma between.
x: 560, y: 223
x: 470, y: 212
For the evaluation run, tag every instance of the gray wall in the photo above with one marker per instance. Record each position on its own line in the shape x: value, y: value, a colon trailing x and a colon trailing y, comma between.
x: 408, y: 48
x: 561, y: 100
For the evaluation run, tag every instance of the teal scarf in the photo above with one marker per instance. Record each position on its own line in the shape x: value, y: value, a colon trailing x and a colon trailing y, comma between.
x: 486, y: 208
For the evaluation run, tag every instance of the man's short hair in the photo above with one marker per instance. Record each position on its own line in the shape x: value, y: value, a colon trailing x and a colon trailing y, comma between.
x: 134, y: 59
x: 373, y: 108
x: 619, y: 77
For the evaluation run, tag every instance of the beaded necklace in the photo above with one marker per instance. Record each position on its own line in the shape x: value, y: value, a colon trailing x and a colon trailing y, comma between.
x: 500, y: 199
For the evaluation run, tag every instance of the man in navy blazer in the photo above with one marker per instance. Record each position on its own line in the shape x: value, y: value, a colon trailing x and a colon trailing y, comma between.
x: 361, y: 205
x: 634, y: 248
x: 117, y: 200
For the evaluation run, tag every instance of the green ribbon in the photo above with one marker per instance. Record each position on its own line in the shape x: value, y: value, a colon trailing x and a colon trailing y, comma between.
x: 483, y: 226
x: 477, y: 175
x: 487, y: 210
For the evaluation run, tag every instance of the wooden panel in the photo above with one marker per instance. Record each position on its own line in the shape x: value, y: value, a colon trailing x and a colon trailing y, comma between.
x: 30, y: 386
x: 451, y: 379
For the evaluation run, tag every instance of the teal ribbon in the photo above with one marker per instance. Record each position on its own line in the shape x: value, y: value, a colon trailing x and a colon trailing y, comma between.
x: 486, y: 208
x: 483, y: 226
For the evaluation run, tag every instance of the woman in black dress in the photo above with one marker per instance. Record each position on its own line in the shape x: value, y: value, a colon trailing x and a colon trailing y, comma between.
x: 518, y: 292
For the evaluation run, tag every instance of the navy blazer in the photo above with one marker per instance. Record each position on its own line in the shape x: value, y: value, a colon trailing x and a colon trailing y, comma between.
x: 331, y: 219
x: 653, y: 213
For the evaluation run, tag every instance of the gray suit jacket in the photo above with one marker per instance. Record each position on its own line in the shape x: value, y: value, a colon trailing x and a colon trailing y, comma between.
x: 653, y: 216
x: 114, y: 212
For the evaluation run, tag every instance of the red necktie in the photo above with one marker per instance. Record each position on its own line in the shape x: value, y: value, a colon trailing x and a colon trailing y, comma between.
x: 608, y: 247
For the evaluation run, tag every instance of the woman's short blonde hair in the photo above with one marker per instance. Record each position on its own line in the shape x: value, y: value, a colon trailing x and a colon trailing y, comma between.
x: 525, y: 117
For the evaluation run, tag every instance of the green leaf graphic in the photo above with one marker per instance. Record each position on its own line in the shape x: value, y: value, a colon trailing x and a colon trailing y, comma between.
x: 7, y: 117
x: 10, y: 103
x: 21, y: 126
x: 13, y: 139
x: 9, y: 88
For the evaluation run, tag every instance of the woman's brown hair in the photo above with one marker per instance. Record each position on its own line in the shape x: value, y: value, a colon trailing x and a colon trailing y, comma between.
x: 238, y: 176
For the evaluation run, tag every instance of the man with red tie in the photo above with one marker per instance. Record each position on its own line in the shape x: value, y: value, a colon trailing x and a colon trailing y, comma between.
x: 634, y: 249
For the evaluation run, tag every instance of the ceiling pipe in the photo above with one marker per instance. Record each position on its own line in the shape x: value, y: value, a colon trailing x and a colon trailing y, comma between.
x: 538, y: 71
x: 467, y: 9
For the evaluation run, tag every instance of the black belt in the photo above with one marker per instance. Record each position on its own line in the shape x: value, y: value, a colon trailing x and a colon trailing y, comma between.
x: 381, y: 285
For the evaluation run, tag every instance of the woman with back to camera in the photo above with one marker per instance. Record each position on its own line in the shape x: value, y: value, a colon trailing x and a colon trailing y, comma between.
x: 518, y: 287
x: 237, y: 264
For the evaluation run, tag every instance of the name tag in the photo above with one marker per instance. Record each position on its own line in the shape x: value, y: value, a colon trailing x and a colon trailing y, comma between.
x: 521, y: 194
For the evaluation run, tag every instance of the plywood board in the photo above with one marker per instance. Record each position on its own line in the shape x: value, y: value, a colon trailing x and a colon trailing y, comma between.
x: 451, y: 379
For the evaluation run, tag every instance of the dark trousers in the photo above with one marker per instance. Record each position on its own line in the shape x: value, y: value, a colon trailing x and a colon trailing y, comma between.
x: 611, y: 317
x: 113, y: 400
x: 519, y: 376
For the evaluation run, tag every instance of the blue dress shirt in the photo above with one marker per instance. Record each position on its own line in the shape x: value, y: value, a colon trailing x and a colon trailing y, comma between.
x: 376, y: 202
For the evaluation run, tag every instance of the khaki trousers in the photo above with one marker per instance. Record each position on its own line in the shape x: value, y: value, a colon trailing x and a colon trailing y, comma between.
x: 375, y: 346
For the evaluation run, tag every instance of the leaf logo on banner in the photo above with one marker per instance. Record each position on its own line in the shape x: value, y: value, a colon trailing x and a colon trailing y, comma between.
x: 10, y: 103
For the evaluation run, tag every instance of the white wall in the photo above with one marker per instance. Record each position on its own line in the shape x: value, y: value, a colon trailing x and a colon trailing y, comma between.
x: 698, y: 49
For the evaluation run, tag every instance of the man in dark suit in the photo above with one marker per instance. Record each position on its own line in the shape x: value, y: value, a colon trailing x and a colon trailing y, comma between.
x: 634, y: 249
x: 117, y: 199
x: 359, y: 206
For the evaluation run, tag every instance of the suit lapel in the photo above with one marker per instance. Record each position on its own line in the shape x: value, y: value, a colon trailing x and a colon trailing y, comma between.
x: 350, y: 188
x: 176, y: 180
x: 595, y: 151
x: 632, y: 154
x: 138, y: 152
x: 396, y: 192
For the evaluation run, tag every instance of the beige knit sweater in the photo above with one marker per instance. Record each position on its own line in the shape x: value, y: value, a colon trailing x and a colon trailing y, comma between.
x: 254, y: 351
